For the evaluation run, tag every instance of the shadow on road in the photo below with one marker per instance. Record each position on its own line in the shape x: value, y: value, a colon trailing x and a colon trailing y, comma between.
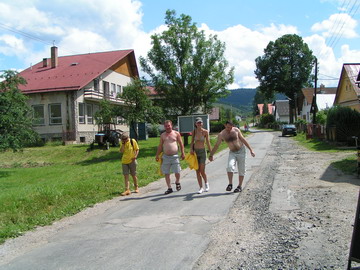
x: 332, y: 175
x: 187, y: 197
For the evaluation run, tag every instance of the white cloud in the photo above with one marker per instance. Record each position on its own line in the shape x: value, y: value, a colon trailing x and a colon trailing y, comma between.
x: 337, y: 25
x: 10, y: 45
x: 244, y: 45
x: 348, y: 55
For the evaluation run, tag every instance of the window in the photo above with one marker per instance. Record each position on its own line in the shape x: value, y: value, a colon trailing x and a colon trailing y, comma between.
x: 106, y: 88
x: 118, y: 90
x: 55, y: 114
x: 38, y: 115
x: 113, y: 89
x: 96, y: 85
x: 89, y: 113
x: 81, y: 113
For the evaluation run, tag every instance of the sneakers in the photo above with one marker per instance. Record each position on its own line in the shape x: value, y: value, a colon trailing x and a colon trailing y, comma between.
x: 207, y: 186
x: 201, y: 190
x: 126, y: 192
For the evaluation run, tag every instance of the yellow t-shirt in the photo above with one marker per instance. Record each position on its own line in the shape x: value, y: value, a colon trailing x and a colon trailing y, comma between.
x: 129, y: 151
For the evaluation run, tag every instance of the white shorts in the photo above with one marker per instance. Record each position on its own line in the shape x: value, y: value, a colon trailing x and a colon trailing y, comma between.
x: 170, y: 163
x: 239, y: 158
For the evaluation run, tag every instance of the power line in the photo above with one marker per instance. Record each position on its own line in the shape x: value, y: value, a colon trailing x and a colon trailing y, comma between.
x: 337, y: 38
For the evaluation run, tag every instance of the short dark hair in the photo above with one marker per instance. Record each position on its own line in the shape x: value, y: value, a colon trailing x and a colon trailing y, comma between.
x: 229, y: 122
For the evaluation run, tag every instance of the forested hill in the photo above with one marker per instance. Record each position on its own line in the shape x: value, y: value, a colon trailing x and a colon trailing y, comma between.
x: 239, y: 97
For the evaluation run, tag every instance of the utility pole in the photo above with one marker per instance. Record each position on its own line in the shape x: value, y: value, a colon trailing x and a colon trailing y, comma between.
x: 314, y: 96
x: 314, y: 101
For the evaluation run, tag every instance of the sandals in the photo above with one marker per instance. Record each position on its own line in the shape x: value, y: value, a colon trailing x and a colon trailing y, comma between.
x: 168, y: 191
x: 238, y: 189
x: 229, y: 187
x: 178, y: 186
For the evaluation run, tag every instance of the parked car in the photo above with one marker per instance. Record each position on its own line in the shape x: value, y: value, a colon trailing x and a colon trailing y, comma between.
x: 288, y: 130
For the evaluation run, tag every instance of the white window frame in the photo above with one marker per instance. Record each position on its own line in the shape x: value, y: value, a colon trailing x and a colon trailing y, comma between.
x: 89, y: 113
x: 82, y: 113
x: 38, y: 120
x: 118, y: 90
x: 113, y: 90
x: 54, y: 120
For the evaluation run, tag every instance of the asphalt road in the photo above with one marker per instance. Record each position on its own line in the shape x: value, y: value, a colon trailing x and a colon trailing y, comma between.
x: 149, y: 230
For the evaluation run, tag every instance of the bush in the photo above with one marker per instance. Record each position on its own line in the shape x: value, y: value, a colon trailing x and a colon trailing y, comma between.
x: 154, y: 131
x: 346, y: 121
x: 266, y: 120
x: 321, y: 117
x: 216, y: 126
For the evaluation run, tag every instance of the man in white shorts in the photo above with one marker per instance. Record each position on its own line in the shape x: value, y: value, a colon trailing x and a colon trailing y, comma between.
x: 236, y: 141
x: 170, y: 141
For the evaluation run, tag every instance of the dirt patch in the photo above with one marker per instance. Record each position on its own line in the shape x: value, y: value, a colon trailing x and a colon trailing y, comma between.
x: 296, y: 212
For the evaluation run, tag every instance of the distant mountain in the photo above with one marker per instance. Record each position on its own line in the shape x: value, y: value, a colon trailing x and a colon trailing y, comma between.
x: 242, y: 99
x: 238, y: 97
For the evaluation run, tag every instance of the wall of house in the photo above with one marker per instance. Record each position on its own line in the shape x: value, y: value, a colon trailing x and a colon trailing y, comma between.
x: 86, y: 129
x: 46, y: 129
x: 347, y: 95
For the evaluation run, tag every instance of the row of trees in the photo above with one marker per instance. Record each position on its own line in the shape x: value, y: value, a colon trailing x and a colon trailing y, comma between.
x: 189, y: 72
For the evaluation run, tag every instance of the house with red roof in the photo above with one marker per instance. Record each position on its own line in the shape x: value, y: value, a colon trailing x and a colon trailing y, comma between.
x: 324, y: 100
x: 66, y: 91
x: 348, y: 90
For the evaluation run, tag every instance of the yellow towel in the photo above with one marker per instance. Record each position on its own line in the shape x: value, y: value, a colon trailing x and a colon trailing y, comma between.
x: 160, y: 162
x: 191, y: 159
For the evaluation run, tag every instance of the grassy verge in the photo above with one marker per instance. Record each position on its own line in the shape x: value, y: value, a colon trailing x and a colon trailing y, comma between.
x: 42, y: 184
x: 348, y: 165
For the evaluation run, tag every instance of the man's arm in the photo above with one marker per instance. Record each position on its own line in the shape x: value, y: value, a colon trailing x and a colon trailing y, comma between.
x: 245, y: 142
x: 216, y: 146
x: 180, y: 142
x: 159, y: 149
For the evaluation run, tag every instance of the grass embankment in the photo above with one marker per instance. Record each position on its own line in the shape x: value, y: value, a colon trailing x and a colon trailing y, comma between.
x: 42, y: 184
x: 347, y: 165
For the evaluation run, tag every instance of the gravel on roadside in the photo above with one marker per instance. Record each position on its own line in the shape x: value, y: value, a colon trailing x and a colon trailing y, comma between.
x: 313, y: 232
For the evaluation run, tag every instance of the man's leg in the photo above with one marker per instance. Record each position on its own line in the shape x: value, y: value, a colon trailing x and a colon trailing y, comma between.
x: 134, y: 177
x: 230, y: 177
x: 241, y: 179
x: 167, y: 179
x: 127, y: 186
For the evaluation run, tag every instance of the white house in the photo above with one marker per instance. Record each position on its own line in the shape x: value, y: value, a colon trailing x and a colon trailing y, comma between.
x: 65, y: 92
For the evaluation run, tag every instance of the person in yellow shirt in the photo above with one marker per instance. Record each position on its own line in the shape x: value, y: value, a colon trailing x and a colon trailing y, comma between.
x: 130, y: 150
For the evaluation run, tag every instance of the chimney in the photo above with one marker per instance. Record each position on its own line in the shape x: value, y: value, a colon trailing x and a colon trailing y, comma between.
x: 54, y: 57
x: 45, y: 62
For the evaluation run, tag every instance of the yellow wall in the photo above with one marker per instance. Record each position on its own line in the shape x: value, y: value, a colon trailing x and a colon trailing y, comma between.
x: 347, y: 94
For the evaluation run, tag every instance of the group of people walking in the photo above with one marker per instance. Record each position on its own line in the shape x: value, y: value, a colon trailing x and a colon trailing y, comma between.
x: 168, y: 155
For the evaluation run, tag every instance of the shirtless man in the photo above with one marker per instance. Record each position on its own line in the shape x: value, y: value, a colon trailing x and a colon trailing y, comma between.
x: 236, y: 141
x: 170, y: 141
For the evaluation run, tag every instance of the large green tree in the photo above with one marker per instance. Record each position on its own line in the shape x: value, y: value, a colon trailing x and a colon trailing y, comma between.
x: 15, y: 114
x: 138, y: 107
x: 285, y: 68
x: 187, y: 69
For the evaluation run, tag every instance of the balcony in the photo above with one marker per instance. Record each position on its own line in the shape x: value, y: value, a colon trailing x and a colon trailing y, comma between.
x: 90, y: 94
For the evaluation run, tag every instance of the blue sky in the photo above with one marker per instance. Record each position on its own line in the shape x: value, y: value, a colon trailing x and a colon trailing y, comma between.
x: 329, y: 27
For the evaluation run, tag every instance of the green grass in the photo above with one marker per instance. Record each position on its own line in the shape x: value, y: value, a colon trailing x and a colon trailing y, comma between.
x: 347, y: 165
x: 42, y: 184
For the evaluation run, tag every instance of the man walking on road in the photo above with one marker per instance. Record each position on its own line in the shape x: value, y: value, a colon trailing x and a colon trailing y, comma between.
x: 236, y: 141
x: 170, y: 141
